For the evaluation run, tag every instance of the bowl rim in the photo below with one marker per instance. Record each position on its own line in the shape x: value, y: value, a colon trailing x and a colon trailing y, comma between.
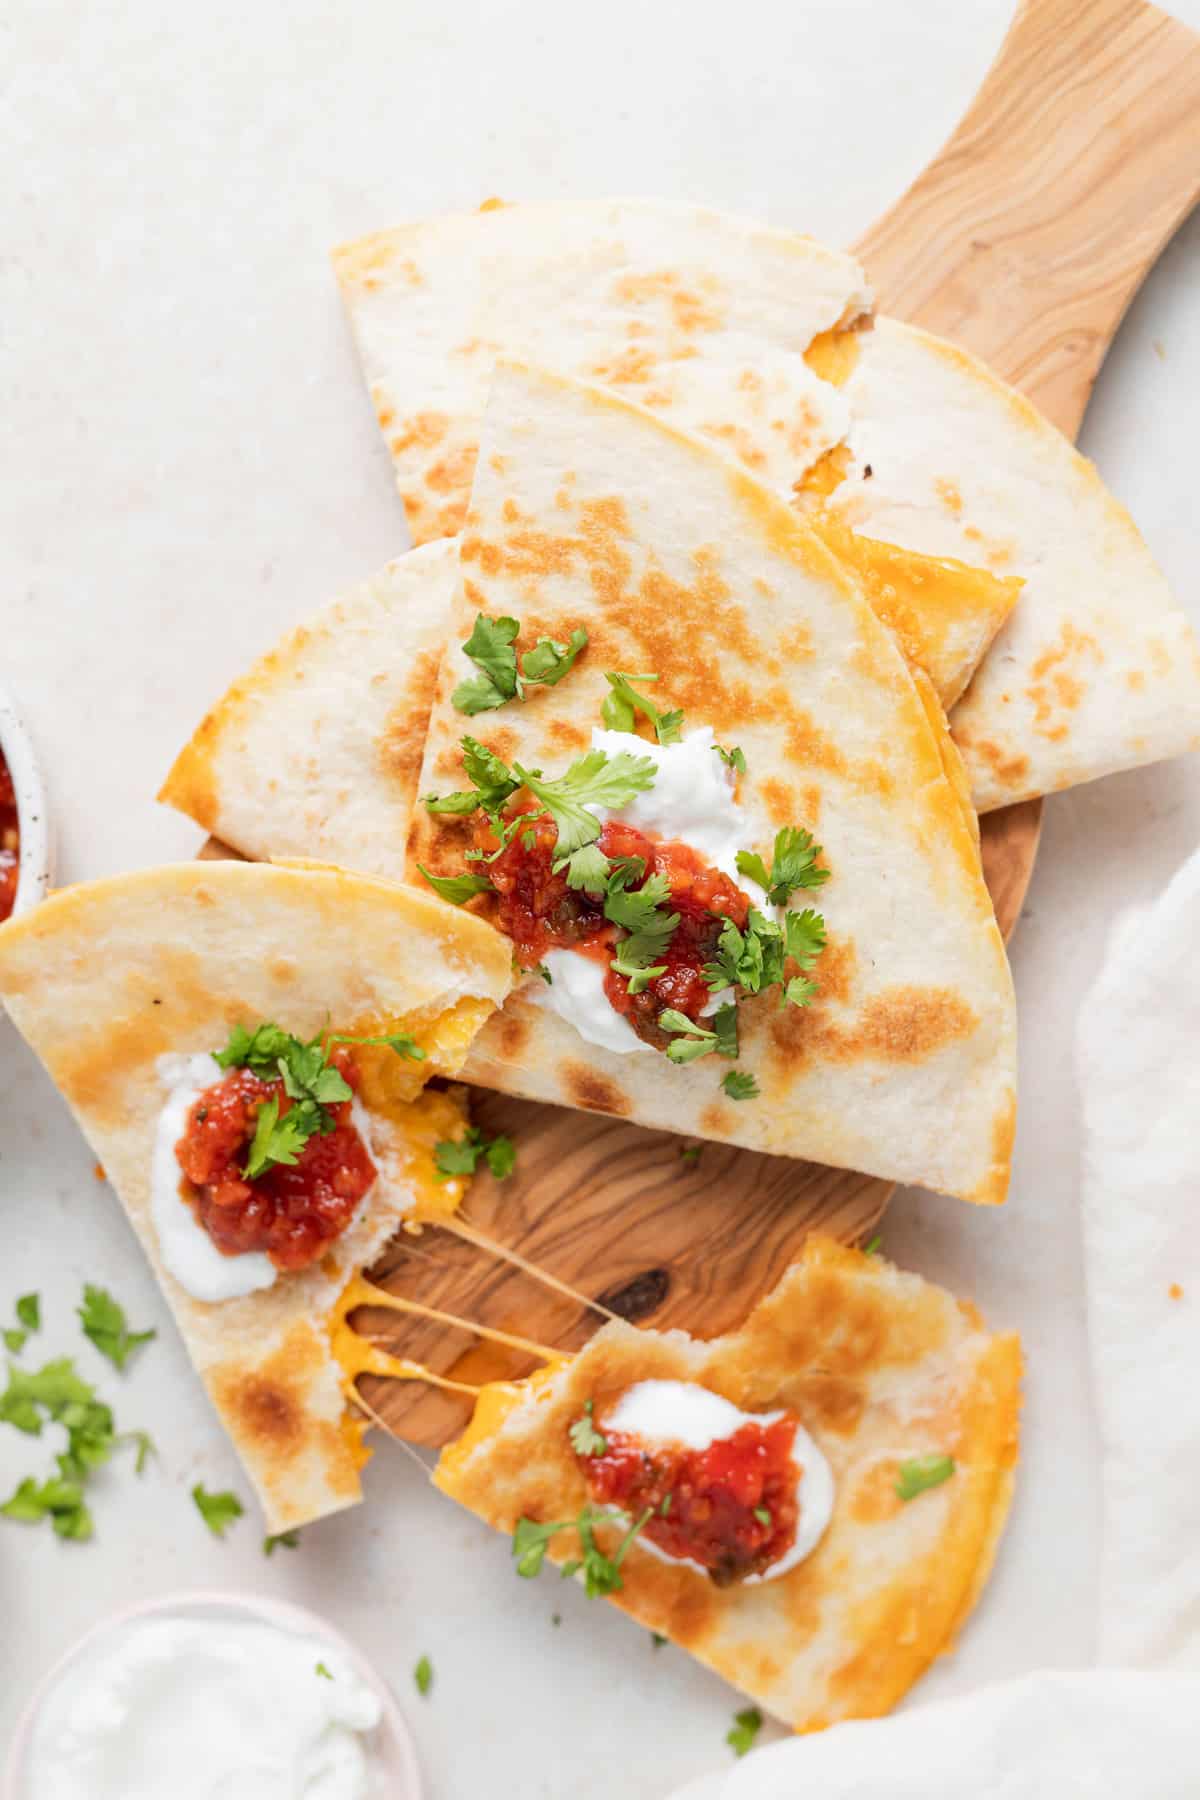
x: 395, y: 1748
x: 36, y: 861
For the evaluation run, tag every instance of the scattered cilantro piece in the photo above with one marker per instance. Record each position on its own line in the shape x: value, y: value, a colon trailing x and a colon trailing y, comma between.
x: 693, y: 1040
x: 275, y: 1140
x: 457, y: 889
x: 145, y: 1448
x: 638, y: 980
x: 740, y: 1086
x: 461, y: 802
x: 588, y: 868
x: 725, y: 1025
x: 585, y: 1439
x: 103, y: 1322
x: 594, y: 779
x: 57, y: 1394
x: 491, y: 648
x: 217, y: 1510
x: 734, y: 759
x: 543, y: 971
x: 641, y: 913
x: 745, y: 1728
x: 286, y: 1540
x: 690, y: 1154
x: 556, y: 1618
x: 921, y: 1472
x: 423, y: 1676
x: 793, y: 865
x: 602, y: 1573
x: 549, y: 660
x: 493, y: 782
x: 323, y: 1672
x: 658, y: 1640
x: 56, y: 1388
x: 763, y: 1515
x: 460, y: 1156
x: 622, y: 703
x: 58, y: 1499
x: 874, y: 1247
x: 756, y: 958
x: 399, y: 1041
x: 29, y: 1320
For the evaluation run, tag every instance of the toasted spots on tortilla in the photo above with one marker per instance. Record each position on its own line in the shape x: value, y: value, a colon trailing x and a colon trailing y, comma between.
x: 1055, y: 689
x: 402, y: 743
x: 268, y: 1410
x: 513, y: 1033
x: 158, y: 1011
x: 1010, y: 768
x: 898, y: 1025
x: 365, y: 259
x: 452, y: 472
x: 492, y: 204
x: 796, y: 643
x: 1136, y: 679
x: 717, y: 1120
x: 810, y: 808
x: 949, y: 493
x: 779, y: 799
x: 191, y: 785
x: 690, y: 309
x: 1175, y: 1292
x: 873, y: 1495
x: 807, y: 745
x: 594, y: 1092
x: 423, y: 430
x: 385, y: 415
x: 565, y: 735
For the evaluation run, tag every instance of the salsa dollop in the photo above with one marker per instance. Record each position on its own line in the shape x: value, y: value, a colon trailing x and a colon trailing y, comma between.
x: 292, y: 1212
x: 539, y: 911
x: 10, y: 842
x: 731, y: 1507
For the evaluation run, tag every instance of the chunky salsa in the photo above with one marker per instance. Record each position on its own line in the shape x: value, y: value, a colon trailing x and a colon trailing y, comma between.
x: 732, y: 1508
x: 10, y: 842
x: 292, y: 1212
x: 539, y: 911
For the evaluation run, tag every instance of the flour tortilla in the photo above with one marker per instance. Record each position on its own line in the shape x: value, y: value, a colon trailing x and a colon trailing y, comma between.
x: 315, y: 751
x: 105, y: 978
x: 731, y: 330
x: 880, y: 1367
x: 676, y: 562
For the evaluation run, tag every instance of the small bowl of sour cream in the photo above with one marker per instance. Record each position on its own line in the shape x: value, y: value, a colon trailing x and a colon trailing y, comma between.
x: 25, y: 847
x: 212, y: 1696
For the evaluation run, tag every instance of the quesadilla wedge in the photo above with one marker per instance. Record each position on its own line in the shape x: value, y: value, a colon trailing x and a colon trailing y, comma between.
x: 810, y: 1505
x: 244, y: 1048
x: 755, y: 338
x: 766, y: 924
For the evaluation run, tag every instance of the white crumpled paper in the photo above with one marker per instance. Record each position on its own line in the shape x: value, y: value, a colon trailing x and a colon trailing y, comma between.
x: 1131, y: 1726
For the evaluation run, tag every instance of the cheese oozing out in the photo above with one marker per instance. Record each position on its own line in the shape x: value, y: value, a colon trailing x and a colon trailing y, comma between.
x: 667, y: 1414
x: 691, y: 802
x: 185, y: 1247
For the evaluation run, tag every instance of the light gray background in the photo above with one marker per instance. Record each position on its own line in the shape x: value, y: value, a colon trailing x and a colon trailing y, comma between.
x: 190, y: 464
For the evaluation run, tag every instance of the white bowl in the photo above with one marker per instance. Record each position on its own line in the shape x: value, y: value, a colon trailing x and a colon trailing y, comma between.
x: 36, y: 864
x: 391, y: 1744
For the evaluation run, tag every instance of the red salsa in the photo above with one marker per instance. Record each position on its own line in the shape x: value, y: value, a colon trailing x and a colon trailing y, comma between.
x: 539, y: 911
x: 10, y: 842
x: 292, y: 1212
x: 731, y: 1508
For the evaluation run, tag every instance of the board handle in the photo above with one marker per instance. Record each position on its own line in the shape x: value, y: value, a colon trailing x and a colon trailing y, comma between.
x: 1029, y: 233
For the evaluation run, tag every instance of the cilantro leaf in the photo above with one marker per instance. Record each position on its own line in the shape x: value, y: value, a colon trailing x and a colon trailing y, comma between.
x: 146, y: 1448
x: 745, y: 1728
x: 623, y: 701
x: 490, y: 648
x: 501, y: 1157
x: 725, y: 1025
x: 282, y: 1540
x: 804, y: 936
x: 588, y: 868
x: 399, y: 1041
x: 585, y: 1439
x: 459, y: 803
x: 490, y: 775
x: 324, y: 1673
x: 739, y: 1085
x: 793, y: 865
x: 457, y: 889
x: 690, y: 1154
x: 423, y: 1676
x: 694, y: 1040
x: 56, y: 1388
x: 275, y: 1140
x: 602, y: 1573
x: 641, y: 913
x: 734, y: 759
x: 921, y: 1472
x: 103, y: 1321
x: 549, y: 660
x: 639, y: 978
x: 461, y: 1156
x: 875, y: 1247
x: 217, y: 1510
x: 29, y: 1312
x: 59, y: 1500
x: 594, y: 779
x: 762, y: 1514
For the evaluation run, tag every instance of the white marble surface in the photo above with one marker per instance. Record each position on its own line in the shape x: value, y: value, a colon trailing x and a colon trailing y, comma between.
x: 190, y: 463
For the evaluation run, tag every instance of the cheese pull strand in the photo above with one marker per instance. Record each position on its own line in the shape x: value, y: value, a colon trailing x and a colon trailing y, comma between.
x: 370, y: 1295
x: 470, y: 1235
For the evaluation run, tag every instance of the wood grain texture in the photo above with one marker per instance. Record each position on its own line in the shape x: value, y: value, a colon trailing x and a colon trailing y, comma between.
x: 1025, y: 240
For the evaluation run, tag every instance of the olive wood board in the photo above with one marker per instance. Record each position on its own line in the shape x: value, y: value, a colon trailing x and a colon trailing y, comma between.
x: 1024, y: 239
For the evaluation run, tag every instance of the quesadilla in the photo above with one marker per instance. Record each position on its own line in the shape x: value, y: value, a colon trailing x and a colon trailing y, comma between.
x: 662, y: 892
x: 756, y: 339
x: 810, y: 1505
x: 244, y: 1047
x: 315, y: 751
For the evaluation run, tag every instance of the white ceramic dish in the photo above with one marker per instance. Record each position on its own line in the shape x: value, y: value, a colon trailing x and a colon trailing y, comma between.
x: 36, y: 864
x: 398, y: 1778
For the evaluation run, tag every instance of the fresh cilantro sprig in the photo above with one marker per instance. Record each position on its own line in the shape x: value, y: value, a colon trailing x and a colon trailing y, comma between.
x: 694, y: 1040
x: 217, y: 1510
x: 457, y: 889
x: 493, y: 783
x: 585, y: 1439
x: 793, y: 865
x: 745, y: 1728
x: 622, y: 703
x: 423, y: 1676
x: 755, y: 959
x: 461, y: 1156
x: 103, y: 1321
x: 57, y: 1499
x: 921, y: 1472
x: 738, y: 1084
x: 29, y: 1319
x: 734, y: 758
x: 602, y: 1573
x: 491, y: 647
x: 594, y: 779
x: 641, y: 913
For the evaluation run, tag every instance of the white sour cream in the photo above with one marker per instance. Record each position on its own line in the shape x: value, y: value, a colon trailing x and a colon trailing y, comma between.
x: 186, y: 1248
x: 692, y: 802
x: 205, y: 1706
x: 666, y: 1414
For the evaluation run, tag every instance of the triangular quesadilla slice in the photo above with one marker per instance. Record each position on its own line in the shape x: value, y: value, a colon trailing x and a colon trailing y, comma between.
x: 245, y: 1047
x: 762, y: 920
x: 315, y: 751
x: 810, y: 1505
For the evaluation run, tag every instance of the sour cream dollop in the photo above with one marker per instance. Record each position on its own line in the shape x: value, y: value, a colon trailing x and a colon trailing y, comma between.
x: 664, y: 1414
x: 206, y: 1706
x: 691, y: 802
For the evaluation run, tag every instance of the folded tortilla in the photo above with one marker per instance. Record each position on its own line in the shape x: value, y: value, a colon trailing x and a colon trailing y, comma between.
x: 106, y: 978
x: 751, y: 336
x: 588, y: 512
x: 880, y: 1367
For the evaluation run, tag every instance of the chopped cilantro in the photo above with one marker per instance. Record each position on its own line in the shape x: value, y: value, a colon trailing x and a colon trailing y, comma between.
x: 921, y: 1472
x: 585, y: 1439
x: 740, y: 1086
x: 29, y: 1320
x: 763, y: 1515
x: 543, y: 971
x: 285, y: 1540
x: 323, y: 1672
x: 690, y: 1154
x: 693, y: 1040
x: 756, y: 958
x: 745, y: 1728
x: 457, y: 889
x: 793, y: 865
x: 59, y: 1499
x: 104, y: 1322
x: 423, y: 1676
x: 622, y: 703
x: 491, y: 648
x: 460, y: 1156
x: 594, y: 779
x: 734, y: 759
x: 874, y: 1247
x: 602, y: 1573
x: 217, y: 1510
x: 57, y: 1393
x: 641, y: 913
x: 658, y: 1640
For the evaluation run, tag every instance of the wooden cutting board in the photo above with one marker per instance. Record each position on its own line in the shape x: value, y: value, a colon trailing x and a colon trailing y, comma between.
x: 1025, y: 240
